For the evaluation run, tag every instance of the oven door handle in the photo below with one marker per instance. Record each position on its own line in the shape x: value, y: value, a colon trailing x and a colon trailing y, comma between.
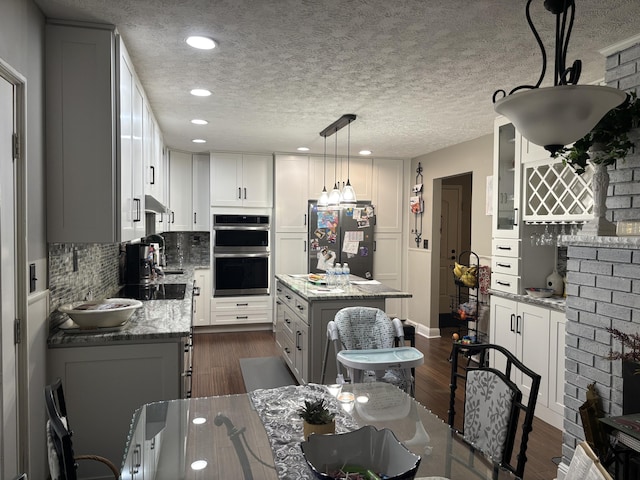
x: 242, y: 255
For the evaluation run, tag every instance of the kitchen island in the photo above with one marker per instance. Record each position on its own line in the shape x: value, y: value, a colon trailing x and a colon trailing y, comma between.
x: 107, y: 373
x: 303, y: 310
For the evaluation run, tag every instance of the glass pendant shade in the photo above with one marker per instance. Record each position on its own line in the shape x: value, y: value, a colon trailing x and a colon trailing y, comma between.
x: 557, y: 116
x: 334, y: 197
x: 323, y: 201
x: 348, y: 196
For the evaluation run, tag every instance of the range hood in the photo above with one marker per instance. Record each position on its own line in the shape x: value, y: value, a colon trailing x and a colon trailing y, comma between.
x: 151, y: 204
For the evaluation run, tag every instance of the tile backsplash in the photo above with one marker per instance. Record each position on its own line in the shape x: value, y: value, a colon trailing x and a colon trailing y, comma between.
x: 75, y: 269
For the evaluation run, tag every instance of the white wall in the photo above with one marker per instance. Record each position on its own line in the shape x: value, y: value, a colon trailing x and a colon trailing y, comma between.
x: 476, y: 157
x: 21, y: 47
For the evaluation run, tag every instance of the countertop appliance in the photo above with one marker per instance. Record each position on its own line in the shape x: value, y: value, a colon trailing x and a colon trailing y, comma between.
x: 342, y: 235
x: 138, y: 264
x: 241, y: 255
x: 153, y: 291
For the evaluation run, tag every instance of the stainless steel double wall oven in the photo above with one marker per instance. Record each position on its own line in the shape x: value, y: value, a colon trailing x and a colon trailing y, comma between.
x: 241, y: 255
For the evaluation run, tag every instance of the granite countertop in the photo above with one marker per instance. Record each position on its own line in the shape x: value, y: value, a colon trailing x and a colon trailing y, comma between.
x: 156, y: 320
x: 555, y: 302
x: 354, y: 291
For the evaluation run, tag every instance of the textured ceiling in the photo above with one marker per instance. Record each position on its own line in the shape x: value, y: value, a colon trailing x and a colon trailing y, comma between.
x: 419, y: 74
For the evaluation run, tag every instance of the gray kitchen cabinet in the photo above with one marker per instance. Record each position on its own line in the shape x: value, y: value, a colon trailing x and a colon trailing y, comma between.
x: 105, y: 384
x: 241, y: 180
x: 292, y: 329
x: 94, y: 131
x: 188, y: 191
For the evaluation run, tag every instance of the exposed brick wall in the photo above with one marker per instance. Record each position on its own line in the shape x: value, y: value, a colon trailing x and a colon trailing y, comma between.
x: 603, y: 291
x: 623, y: 201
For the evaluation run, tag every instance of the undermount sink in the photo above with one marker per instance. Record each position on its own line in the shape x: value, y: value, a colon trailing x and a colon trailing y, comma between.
x: 110, y: 312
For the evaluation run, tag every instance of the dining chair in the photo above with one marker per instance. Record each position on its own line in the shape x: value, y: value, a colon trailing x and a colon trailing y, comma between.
x: 360, y: 328
x: 62, y: 461
x: 494, y: 406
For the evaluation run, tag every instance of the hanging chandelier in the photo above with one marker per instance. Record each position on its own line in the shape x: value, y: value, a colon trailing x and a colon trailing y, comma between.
x: 323, y: 201
x: 347, y: 197
x: 557, y: 116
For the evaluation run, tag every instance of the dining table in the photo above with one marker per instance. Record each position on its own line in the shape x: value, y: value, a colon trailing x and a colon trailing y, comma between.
x: 257, y: 435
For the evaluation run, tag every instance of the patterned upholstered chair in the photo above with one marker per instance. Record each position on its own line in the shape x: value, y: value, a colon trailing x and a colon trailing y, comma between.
x: 494, y: 409
x: 358, y: 328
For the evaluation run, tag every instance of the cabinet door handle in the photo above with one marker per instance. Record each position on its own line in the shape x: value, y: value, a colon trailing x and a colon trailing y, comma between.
x: 242, y: 304
x: 153, y: 175
x: 503, y: 265
x: 504, y: 284
x: 241, y: 317
x: 501, y: 247
x: 138, y: 203
x: 195, y: 217
x: 513, y: 317
x: 245, y: 193
x: 375, y: 244
x: 298, y: 335
x: 515, y: 217
x: 305, y: 220
x: 305, y: 246
x: 173, y: 217
x: 239, y: 193
x: 518, y: 329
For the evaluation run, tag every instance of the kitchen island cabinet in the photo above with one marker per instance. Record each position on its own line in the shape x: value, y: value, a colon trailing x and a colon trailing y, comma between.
x: 303, y: 311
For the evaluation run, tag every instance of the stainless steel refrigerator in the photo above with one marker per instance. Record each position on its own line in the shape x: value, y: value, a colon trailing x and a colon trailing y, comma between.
x: 339, y: 236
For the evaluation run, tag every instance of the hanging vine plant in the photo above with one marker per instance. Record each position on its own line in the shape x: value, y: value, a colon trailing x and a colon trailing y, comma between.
x: 608, y: 141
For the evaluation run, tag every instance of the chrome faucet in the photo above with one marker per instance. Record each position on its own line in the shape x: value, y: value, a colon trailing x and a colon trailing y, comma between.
x: 155, y: 238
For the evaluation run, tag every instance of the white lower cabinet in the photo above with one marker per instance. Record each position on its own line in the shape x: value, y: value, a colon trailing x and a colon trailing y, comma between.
x: 291, y: 253
x: 202, y: 295
x: 245, y: 310
x: 527, y: 331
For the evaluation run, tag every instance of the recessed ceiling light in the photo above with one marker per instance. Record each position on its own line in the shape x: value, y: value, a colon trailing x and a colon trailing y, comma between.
x: 198, y: 121
x: 200, y: 92
x: 303, y: 149
x: 199, y: 420
x: 202, y: 43
x: 365, y: 152
x: 198, y: 140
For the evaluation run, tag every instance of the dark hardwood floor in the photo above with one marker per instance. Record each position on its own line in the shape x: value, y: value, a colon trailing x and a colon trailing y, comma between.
x: 216, y: 365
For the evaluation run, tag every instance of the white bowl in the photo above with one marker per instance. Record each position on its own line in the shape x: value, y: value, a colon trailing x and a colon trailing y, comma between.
x: 540, y: 292
x: 109, y: 312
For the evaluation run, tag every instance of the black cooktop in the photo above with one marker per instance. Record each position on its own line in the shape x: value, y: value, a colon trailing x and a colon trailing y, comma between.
x: 153, y: 291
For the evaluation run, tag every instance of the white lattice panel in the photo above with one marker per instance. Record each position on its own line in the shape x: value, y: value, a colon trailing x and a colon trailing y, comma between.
x: 553, y: 192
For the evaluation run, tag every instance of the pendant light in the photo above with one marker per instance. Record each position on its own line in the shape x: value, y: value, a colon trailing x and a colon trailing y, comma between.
x: 334, y: 196
x: 323, y: 201
x: 348, y: 193
x: 557, y: 116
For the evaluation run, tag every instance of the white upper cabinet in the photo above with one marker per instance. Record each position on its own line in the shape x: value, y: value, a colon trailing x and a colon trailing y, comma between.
x: 386, y: 196
x: 180, y: 203
x: 241, y: 180
x: 507, y: 215
x: 94, y: 137
x: 200, y: 181
x: 188, y: 191
x: 292, y: 193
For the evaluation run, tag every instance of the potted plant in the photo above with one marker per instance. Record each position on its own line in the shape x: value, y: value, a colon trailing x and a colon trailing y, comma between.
x: 630, y: 356
x: 605, y: 144
x: 317, y: 418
